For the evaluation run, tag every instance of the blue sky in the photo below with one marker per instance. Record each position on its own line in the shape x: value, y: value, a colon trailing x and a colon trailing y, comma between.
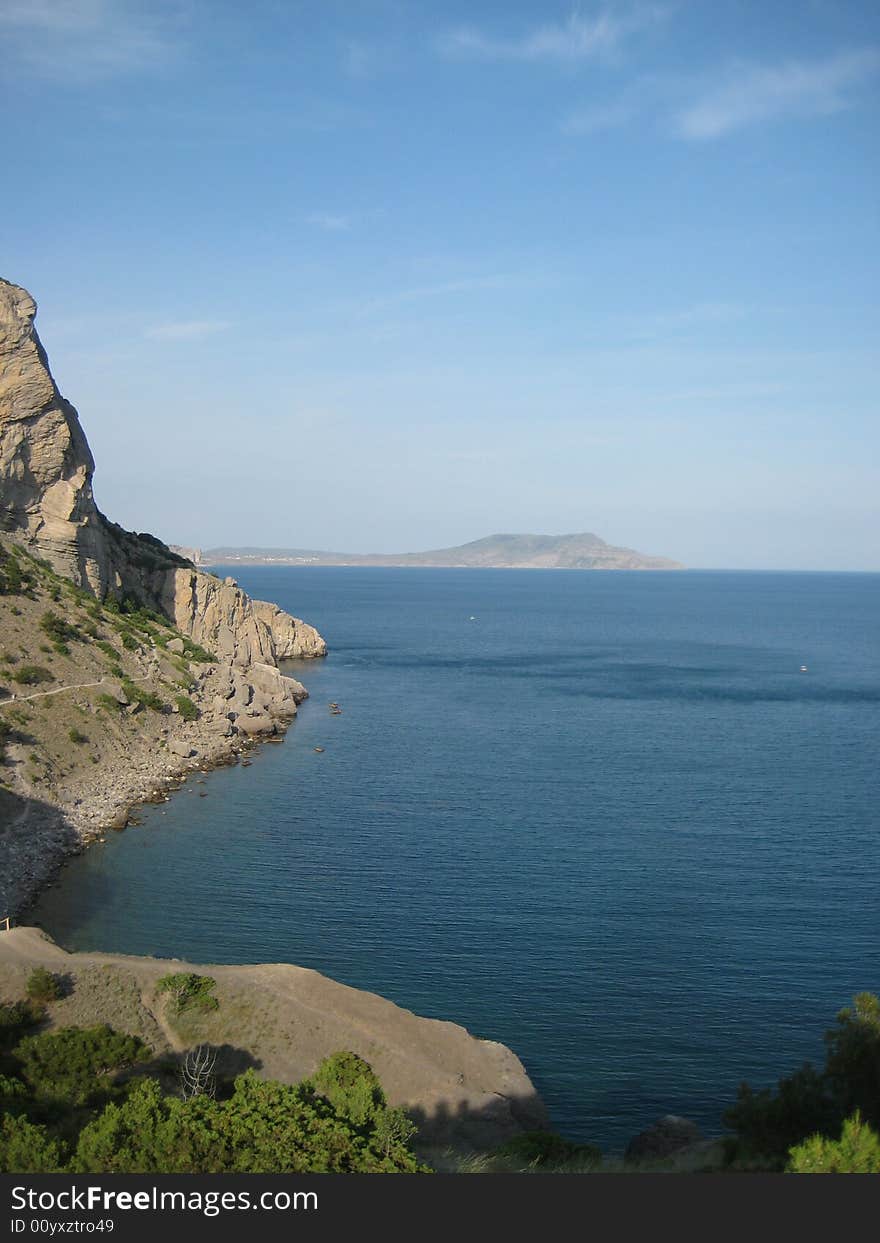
x: 381, y: 275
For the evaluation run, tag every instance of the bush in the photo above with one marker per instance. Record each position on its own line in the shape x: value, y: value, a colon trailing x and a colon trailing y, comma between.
x: 57, y: 629
x: 31, y: 675
x: 137, y: 694
x: 72, y: 1067
x: 186, y: 708
x: 26, y: 1148
x: 42, y: 985
x: 16, y: 1021
x: 264, y: 1127
x: 190, y: 991
x: 76, y: 737
x: 856, y: 1152
x: 108, y: 702
x: 348, y: 1083
x: 812, y: 1102
x: 108, y: 649
x: 547, y: 1148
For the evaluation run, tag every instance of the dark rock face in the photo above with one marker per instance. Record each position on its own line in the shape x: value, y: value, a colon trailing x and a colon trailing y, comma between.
x: 667, y: 1136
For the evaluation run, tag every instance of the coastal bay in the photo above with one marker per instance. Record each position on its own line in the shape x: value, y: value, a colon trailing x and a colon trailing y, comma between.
x: 609, y: 822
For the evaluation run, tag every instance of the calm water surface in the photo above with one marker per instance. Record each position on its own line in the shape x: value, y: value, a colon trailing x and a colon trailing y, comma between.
x: 608, y: 822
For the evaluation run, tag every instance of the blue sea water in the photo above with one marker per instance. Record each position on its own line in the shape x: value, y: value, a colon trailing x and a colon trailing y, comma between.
x: 602, y: 818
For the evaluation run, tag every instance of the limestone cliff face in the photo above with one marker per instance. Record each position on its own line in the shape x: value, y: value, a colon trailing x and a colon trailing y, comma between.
x: 46, y: 501
x: 45, y: 463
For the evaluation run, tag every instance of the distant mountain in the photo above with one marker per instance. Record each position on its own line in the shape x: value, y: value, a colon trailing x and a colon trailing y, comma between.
x: 515, y: 552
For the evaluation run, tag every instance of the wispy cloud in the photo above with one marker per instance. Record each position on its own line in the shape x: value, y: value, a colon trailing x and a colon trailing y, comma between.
x: 418, y: 293
x: 186, y: 330
x: 87, y: 39
x: 332, y: 222
x: 601, y: 117
x: 576, y: 39
x: 754, y: 93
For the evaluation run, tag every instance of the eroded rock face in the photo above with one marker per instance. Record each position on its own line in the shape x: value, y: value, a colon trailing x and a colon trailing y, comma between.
x: 46, y: 500
x: 45, y: 463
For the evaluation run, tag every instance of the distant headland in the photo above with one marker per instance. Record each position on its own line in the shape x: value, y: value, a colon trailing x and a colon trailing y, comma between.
x: 513, y: 552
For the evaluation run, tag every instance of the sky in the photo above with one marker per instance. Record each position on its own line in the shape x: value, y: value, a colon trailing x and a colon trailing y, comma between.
x: 377, y: 275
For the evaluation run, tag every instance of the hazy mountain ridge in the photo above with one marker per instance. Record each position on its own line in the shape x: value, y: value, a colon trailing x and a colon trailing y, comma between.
x: 583, y: 551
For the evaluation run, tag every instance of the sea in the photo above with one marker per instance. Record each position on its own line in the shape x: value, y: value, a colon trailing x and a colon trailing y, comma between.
x: 625, y: 823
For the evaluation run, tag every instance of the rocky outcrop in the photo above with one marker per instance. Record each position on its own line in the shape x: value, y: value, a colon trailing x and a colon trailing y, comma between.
x: 668, y: 1135
x: 46, y: 501
x: 45, y: 463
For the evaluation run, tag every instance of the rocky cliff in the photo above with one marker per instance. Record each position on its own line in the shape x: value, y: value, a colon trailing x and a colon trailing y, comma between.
x: 123, y: 667
x: 46, y: 502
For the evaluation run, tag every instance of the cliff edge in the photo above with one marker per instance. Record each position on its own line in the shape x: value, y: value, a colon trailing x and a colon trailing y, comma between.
x: 122, y: 665
x: 47, y: 503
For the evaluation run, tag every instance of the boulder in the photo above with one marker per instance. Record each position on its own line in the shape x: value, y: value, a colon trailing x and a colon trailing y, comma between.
x: 183, y: 749
x: 668, y: 1135
x: 253, y: 726
x: 176, y: 646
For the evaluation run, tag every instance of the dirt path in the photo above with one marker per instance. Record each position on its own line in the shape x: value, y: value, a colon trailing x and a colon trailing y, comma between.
x: 73, y: 686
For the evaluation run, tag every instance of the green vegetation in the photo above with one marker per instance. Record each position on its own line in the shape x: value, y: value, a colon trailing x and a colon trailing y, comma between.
x: 190, y: 991
x: 107, y: 701
x: 43, y: 986
x: 137, y: 694
x: 186, y: 708
x: 6, y: 732
x: 32, y: 675
x: 814, y: 1103
x: 15, y: 579
x: 76, y: 736
x: 108, y: 649
x: 543, y: 1148
x: 856, y: 1152
x: 90, y: 1101
x: 58, y: 630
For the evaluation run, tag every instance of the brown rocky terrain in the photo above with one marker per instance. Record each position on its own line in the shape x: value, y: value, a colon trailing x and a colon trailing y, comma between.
x: 284, y: 1020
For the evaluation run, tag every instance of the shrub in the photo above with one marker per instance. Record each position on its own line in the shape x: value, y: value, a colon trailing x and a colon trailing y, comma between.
x: 108, y: 702
x: 348, y: 1083
x: 73, y: 1066
x: 190, y: 991
x: 186, y: 708
x: 547, y: 1148
x: 26, y: 1148
x: 853, y: 1058
x: 75, y: 736
x: 16, y: 1021
x: 108, y: 649
x: 42, y: 985
x: 31, y: 675
x: 856, y: 1152
x: 57, y: 629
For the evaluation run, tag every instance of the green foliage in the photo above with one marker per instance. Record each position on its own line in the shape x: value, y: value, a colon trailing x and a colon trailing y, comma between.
x: 31, y: 675
x: 186, y: 707
x: 6, y: 732
x: 73, y: 1066
x: 193, y: 651
x: 190, y: 991
x: 26, y: 1148
x: 264, y: 1127
x: 856, y: 1152
x: 42, y: 985
x: 811, y: 1102
x: 853, y: 1058
x: 108, y: 649
x: 57, y: 629
x: 547, y: 1148
x: 76, y: 737
x: 15, y: 579
x: 16, y: 1021
x: 128, y: 640
x: 138, y: 694
x: 350, y: 1086
x: 108, y: 702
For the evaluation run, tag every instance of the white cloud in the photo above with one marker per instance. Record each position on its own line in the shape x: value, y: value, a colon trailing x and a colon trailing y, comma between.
x: 186, y: 330
x: 604, y: 116
x: 87, y: 39
x: 754, y: 93
x: 578, y: 38
x: 332, y: 222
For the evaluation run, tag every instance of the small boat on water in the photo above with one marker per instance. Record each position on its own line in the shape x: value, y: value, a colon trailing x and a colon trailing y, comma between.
x: 803, y: 668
